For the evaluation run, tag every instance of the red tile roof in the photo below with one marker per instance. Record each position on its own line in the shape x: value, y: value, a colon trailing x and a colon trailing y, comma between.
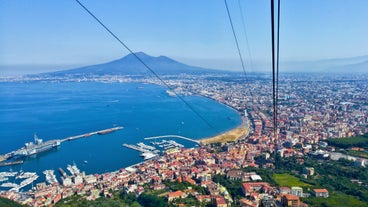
x: 320, y: 190
x: 178, y: 193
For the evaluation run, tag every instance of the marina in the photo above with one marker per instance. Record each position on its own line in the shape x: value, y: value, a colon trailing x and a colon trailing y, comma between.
x: 149, y: 152
x: 17, y: 180
x: 135, y: 147
x: 173, y: 136
x: 167, y: 144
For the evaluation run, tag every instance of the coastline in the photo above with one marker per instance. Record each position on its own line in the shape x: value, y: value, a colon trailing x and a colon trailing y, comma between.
x: 90, y: 168
x: 232, y: 135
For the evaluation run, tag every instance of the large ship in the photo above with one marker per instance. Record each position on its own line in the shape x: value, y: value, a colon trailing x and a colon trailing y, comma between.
x: 35, y: 147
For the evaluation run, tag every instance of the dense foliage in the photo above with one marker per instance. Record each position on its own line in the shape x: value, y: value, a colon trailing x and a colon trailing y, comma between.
x: 363, y: 154
x: 151, y: 200
x: 4, y: 202
x: 119, y: 199
x: 336, y: 199
x: 335, y: 176
x: 358, y: 141
x: 174, y: 186
x: 232, y: 186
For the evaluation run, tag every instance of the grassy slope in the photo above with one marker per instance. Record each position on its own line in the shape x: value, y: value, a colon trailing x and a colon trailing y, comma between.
x: 289, y: 181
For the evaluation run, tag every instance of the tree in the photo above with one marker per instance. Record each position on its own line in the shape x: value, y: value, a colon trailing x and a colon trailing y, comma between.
x: 149, y: 200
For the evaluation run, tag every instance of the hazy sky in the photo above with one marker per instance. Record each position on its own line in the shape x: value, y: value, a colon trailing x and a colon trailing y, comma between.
x: 61, y: 33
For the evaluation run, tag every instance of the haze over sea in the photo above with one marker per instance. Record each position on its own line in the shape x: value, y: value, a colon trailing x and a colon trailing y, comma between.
x: 59, y: 110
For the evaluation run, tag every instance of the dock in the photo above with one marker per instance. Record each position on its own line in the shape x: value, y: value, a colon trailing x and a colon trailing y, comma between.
x: 9, y: 155
x: 100, y: 132
x: 146, y: 151
x: 140, y: 149
x: 11, y: 163
x: 173, y: 136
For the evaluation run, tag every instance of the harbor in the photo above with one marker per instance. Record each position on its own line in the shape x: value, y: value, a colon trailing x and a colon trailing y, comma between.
x: 149, y: 152
x: 146, y: 153
x: 14, y: 181
x: 173, y: 136
x: 38, y: 146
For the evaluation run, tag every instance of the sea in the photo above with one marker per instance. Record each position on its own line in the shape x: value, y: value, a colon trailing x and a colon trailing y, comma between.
x: 60, y: 110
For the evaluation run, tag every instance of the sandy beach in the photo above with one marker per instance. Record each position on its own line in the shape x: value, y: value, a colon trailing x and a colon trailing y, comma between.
x: 229, y: 136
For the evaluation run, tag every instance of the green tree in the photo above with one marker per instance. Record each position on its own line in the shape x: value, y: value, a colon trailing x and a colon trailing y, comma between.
x: 150, y: 200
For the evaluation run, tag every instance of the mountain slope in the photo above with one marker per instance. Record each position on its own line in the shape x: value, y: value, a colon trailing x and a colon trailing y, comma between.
x: 338, y: 65
x: 357, y: 67
x: 130, y: 65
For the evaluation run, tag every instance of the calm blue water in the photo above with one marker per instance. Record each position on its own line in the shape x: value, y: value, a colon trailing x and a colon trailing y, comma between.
x: 59, y: 110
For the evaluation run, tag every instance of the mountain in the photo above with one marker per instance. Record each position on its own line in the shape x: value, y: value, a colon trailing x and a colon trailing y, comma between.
x: 130, y: 65
x: 355, y: 67
x: 337, y: 65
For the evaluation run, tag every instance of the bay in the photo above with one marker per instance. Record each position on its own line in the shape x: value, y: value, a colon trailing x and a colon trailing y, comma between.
x: 59, y: 110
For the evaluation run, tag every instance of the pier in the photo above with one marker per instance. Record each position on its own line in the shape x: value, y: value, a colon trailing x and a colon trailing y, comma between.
x: 11, y: 163
x: 140, y: 149
x: 9, y: 155
x: 100, y: 132
x: 173, y: 136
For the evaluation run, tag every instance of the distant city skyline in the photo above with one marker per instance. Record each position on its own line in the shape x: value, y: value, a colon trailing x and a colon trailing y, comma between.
x: 40, y: 35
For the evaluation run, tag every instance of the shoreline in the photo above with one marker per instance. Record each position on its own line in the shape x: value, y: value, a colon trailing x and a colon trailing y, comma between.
x: 231, y: 135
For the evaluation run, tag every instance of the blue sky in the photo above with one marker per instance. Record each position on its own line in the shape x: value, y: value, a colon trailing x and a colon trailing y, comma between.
x: 42, y: 35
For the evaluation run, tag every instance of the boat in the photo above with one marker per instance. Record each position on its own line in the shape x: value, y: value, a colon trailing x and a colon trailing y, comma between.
x: 106, y: 131
x: 35, y: 147
x: 144, y: 146
x: 171, y: 93
x: 50, y: 176
x: 62, y: 172
x: 148, y: 155
x: 8, y: 174
x: 23, y: 175
x: 2, y: 179
x: 25, y: 183
x: 9, y: 185
x: 73, y: 169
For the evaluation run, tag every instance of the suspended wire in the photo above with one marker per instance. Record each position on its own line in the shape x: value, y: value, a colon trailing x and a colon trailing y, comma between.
x: 275, y: 75
x: 273, y: 67
x: 235, y: 37
x: 278, y: 60
x: 237, y: 46
x: 277, y: 63
x: 246, y: 35
x: 146, y: 66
